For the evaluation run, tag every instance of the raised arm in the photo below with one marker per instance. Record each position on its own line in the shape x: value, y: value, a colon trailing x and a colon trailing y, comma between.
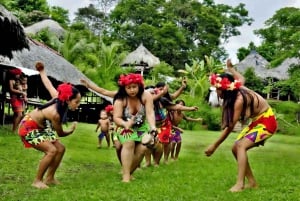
x: 100, y: 90
x: 47, y: 83
x: 235, y: 74
x: 180, y: 90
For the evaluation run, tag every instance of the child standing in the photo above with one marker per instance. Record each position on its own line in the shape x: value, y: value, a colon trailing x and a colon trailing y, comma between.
x: 104, y: 125
x: 176, y: 116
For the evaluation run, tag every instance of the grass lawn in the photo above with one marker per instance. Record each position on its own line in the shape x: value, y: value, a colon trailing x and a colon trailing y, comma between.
x: 91, y: 174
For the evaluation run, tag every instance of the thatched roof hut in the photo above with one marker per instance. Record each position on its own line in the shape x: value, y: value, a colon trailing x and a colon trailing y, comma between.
x: 58, y: 68
x: 12, y: 36
x: 53, y: 27
x: 141, y: 58
x: 261, y: 66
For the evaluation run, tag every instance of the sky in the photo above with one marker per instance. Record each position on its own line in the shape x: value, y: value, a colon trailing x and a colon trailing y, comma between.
x: 259, y: 10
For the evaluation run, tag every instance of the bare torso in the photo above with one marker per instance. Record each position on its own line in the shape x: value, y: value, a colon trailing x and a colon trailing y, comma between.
x: 104, y: 124
x: 48, y: 113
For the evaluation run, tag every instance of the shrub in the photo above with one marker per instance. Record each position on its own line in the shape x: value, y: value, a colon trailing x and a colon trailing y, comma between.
x: 286, y: 114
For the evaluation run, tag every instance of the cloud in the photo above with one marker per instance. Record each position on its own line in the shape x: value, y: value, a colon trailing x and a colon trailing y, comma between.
x: 260, y: 11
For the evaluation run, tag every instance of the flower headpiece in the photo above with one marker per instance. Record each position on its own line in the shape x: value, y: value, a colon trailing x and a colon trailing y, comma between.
x: 109, y: 108
x: 16, y: 71
x: 224, y: 83
x: 64, y: 92
x: 131, y: 78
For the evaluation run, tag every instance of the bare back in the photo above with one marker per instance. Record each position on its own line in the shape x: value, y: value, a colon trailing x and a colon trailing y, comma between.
x: 259, y: 103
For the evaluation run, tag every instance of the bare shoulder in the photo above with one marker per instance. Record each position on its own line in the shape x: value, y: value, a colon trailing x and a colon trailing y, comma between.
x: 147, y: 96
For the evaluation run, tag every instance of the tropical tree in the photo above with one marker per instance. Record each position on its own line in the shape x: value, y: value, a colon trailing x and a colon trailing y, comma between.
x: 281, y: 36
x: 253, y: 82
x: 176, y: 31
x: 198, y: 74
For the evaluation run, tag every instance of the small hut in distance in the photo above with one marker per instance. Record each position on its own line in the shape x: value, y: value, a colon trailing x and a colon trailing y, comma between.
x: 262, y: 70
x: 141, y: 59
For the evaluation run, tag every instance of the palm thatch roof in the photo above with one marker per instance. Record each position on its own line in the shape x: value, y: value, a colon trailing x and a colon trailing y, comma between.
x: 12, y: 36
x: 58, y: 68
x: 53, y: 27
x: 261, y: 67
x: 141, y: 58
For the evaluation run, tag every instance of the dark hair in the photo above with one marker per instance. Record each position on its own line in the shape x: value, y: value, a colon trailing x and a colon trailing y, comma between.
x: 61, y: 106
x: 229, y: 98
x: 180, y: 101
x: 163, y: 84
x: 121, y: 94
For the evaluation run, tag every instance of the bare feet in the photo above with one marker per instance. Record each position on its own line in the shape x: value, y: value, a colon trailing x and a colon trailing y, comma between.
x: 126, y: 179
x: 39, y: 185
x: 52, y: 181
x: 236, y: 188
x: 254, y: 185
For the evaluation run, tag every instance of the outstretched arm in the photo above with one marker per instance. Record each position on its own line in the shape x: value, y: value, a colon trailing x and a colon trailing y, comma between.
x: 47, y: 83
x: 98, y: 89
x: 235, y: 74
x: 192, y: 119
x: 237, y: 113
x: 181, y: 107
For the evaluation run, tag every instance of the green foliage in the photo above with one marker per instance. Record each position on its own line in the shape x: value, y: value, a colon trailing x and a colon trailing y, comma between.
x: 281, y: 35
x: 197, y: 75
x: 159, y: 72
x: 252, y: 81
x: 60, y: 15
x: 50, y: 39
x: 286, y: 113
x: 177, y: 32
x: 211, y: 117
x: 91, y: 17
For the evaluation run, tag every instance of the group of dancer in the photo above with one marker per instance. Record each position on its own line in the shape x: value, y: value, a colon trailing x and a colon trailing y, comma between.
x: 144, y: 118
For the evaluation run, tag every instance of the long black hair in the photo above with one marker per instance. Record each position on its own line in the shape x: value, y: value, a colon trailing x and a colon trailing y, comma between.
x: 122, y: 94
x: 61, y: 106
x: 229, y: 99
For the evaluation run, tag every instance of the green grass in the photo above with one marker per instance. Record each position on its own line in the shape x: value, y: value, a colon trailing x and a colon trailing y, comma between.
x: 92, y: 174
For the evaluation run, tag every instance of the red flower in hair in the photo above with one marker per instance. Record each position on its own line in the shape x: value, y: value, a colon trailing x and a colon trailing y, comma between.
x: 16, y: 71
x: 64, y: 92
x: 130, y: 79
x: 224, y: 83
x: 109, y: 108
